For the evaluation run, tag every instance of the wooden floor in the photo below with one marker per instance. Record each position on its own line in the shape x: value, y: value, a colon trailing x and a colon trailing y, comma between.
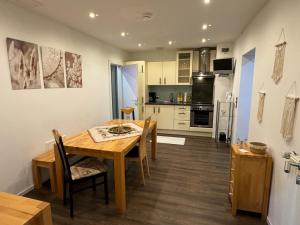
x: 188, y: 186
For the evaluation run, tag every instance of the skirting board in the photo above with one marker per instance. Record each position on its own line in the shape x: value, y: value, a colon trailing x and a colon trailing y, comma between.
x: 182, y: 132
x: 268, y: 221
x: 26, y: 190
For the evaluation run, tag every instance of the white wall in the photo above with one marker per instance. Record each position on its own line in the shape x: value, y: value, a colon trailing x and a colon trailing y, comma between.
x: 263, y: 34
x: 153, y: 55
x: 27, y: 116
x: 222, y: 84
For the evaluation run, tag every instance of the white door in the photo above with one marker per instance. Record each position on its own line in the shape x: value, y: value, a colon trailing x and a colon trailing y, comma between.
x: 130, y: 87
x: 165, y: 117
x: 141, y: 87
x: 169, y: 72
x: 154, y: 73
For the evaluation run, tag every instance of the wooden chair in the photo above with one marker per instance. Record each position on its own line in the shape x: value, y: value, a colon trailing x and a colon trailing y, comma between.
x: 86, y: 169
x: 139, y: 153
x: 127, y: 111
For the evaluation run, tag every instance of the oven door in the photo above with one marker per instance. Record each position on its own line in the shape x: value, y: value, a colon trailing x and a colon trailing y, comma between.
x: 201, y: 118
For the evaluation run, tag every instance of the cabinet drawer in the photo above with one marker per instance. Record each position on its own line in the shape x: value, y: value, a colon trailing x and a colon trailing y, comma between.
x: 181, y: 125
x: 182, y: 115
x: 182, y: 108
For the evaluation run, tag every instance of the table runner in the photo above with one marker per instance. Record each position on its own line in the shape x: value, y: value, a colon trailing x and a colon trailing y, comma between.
x: 100, y: 133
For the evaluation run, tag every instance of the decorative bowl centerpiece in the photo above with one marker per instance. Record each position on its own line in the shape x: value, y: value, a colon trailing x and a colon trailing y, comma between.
x: 120, y: 129
x: 258, y: 147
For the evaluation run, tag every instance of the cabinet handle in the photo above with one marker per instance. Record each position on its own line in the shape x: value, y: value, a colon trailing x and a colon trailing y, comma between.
x: 142, y: 100
x: 181, y: 113
x: 158, y: 109
x: 165, y: 80
x: 154, y: 110
x: 142, y: 109
x: 181, y: 123
x: 160, y: 80
x: 181, y: 108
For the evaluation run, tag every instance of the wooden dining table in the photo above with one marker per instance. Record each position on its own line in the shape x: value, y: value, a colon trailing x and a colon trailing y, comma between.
x: 83, y: 144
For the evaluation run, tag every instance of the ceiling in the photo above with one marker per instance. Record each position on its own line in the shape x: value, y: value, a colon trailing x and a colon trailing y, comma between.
x: 177, y: 20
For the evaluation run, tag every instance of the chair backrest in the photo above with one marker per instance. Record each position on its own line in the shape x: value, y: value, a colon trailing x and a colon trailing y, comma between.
x: 62, y: 154
x: 143, y: 140
x: 127, y: 111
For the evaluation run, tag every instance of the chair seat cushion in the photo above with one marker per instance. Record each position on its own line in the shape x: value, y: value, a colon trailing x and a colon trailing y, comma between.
x: 133, y: 153
x: 87, y: 167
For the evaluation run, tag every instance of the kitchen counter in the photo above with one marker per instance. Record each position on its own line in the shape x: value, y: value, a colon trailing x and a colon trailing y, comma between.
x: 168, y: 103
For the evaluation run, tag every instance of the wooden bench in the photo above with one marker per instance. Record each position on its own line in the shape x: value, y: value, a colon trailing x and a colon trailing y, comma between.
x: 45, y: 160
x: 17, y: 210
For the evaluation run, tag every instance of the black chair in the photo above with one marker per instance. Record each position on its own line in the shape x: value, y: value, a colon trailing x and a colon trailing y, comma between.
x: 81, y: 171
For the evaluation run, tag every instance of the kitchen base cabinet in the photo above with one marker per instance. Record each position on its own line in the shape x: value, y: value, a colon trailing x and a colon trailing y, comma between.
x: 250, y: 181
x: 165, y: 116
x: 150, y: 110
x: 181, y: 125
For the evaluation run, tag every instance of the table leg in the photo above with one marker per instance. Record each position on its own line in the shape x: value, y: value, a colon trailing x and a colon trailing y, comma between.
x: 59, y: 175
x: 154, y: 141
x: 120, y: 186
x: 46, y: 217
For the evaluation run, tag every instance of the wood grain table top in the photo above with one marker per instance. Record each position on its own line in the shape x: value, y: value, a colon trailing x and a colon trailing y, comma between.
x: 17, y: 210
x: 85, y: 141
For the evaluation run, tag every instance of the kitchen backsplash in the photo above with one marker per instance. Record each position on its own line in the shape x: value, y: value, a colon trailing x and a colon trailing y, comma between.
x: 164, y: 91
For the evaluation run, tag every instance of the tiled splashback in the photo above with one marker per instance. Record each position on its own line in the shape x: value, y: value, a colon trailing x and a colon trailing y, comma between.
x: 164, y: 91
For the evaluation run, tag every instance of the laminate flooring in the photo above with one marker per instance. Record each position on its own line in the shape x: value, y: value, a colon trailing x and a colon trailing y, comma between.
x: 188, y: 186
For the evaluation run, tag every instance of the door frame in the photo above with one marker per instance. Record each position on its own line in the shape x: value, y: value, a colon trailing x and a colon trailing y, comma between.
x: 110, y: 63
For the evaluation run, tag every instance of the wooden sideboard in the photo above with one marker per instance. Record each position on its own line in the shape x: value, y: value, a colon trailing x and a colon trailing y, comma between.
x: 249, y: 181
x: 18, y: 210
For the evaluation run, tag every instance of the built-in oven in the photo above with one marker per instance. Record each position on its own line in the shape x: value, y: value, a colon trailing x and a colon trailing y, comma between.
x: 202, y: 116
x: 202, y: 109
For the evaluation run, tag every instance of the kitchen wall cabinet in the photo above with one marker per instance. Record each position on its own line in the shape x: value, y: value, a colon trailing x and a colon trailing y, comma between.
x: 161, y: 73
x: 184, y: 67
x: 163, y: 114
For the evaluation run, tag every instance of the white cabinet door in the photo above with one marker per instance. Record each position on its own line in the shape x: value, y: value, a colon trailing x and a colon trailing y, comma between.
x: 169, y: 73
x: 154, y: 73
x: 165, y: 117
x: 151, y: 110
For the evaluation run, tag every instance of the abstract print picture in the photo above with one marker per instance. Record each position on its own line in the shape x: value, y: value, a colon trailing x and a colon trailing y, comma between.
x: 23, y: 59
x: 53, y: 67
x: 73, y: 70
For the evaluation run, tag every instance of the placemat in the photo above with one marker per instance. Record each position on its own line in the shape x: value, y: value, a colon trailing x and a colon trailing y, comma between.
x: 100, y: 133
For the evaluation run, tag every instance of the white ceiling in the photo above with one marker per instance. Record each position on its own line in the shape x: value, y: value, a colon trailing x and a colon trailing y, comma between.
x: 177, y: 20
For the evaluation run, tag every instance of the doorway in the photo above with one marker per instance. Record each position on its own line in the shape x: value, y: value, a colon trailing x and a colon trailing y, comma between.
x: 124, y: 88
x: 116, y: 90
x: 245, y: 95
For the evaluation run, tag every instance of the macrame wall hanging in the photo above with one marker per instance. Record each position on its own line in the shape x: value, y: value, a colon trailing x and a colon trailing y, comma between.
x: 279, y: 58
x: 289, y: 111
x: 261, y: 104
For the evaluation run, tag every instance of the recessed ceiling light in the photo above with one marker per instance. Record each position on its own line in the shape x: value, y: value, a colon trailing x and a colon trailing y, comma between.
x: 170, y: 42
x: 139, y: 44
x: 209, y: 25
x: 93, y: 15
x: 123, y: 34
x: 206, y: 1
x: 204, y: 27
x: 203, y: 40
x: 147, y: 16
